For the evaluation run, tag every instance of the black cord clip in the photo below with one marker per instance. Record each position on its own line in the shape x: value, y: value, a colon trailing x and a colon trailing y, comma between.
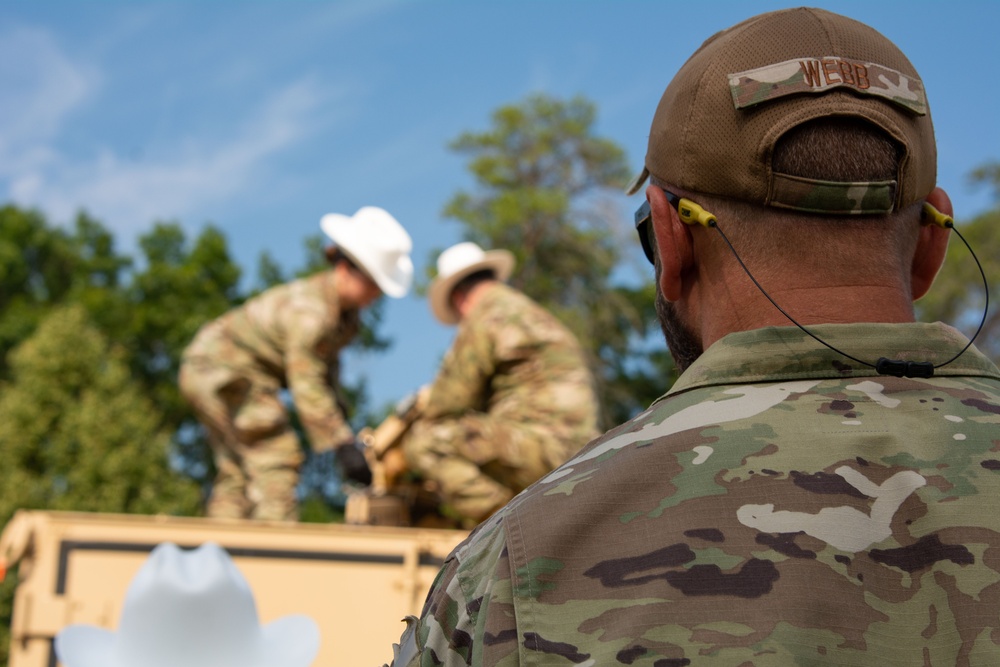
x: 904, y: 369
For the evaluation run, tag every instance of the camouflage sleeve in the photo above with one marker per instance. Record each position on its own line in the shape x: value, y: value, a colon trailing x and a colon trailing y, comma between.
x: 463, y: 380
x: 308, y: 380
x: 469, y: 616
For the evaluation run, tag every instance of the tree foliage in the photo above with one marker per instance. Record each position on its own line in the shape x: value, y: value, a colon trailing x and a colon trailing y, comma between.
x: 543, y: 181
x: 41, y: 266
x: 538, y: 170
x: 183, y: 285
x: 76, y: 430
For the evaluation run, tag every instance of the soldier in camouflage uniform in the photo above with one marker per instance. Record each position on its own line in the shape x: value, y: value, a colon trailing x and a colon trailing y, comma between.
x: 289, y: 337
x: 784, y: 503
x: 513, y: 397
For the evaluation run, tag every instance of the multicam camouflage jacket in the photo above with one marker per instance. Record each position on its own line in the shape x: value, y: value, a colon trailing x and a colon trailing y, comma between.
x: 292, y: 333
x: 779, y: 506
x: 514, y: 360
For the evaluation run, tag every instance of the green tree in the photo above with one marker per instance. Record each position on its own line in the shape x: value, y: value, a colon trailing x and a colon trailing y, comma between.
x: 957, y: 296
x: 78, y: 433
x: 184, y: 284
x: 269, y: 272
x: 544, y: 181
x: 41, y: 266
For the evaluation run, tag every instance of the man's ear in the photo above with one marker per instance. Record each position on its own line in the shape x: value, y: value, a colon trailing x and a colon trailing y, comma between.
x: 932, y: 244
x: 672, y: 241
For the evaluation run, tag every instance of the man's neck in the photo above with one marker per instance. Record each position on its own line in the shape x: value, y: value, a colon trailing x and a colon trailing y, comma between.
x: 474, y: 296
x: 742, y: 310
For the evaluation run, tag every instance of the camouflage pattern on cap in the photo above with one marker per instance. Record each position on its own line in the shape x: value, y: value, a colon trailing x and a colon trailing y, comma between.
x: 717, y: 123
x: 813, y: 196
x: 819, y: 75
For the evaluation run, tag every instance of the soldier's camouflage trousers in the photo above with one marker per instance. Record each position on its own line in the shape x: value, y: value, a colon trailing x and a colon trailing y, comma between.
x: 256, y: 452
x: 480, y: 462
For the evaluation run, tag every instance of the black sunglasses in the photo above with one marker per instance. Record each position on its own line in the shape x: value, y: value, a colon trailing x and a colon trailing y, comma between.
x: 642, y: 218
x: 689, y: 213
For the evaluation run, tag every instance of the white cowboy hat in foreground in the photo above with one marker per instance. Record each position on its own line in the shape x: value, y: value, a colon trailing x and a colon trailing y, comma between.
x: 191, y: 609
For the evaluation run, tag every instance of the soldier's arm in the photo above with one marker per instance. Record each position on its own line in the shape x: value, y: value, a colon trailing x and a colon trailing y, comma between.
x: 307, y: 371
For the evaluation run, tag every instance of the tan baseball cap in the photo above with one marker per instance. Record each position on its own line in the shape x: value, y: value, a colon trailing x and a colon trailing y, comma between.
x: 715, y: 128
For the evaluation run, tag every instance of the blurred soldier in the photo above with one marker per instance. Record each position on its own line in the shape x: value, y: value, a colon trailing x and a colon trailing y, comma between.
x: 290, y: 337
x: 513, y: 397
x: 812, y: 492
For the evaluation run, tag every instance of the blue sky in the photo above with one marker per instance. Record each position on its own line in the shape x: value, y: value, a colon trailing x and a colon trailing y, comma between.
x: 261, y: 116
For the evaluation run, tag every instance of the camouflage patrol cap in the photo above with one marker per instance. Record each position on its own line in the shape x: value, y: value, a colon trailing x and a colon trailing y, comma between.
x: 717, y: 123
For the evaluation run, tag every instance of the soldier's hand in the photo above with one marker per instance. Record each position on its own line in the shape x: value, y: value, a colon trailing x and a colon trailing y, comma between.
x: 352, y: 463
x: 394, y: 466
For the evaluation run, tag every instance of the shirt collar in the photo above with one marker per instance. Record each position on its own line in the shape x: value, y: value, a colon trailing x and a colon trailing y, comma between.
x: 774, y: 354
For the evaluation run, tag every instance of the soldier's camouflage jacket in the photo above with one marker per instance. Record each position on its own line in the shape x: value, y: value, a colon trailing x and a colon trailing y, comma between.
x: 515, y: 361
x: 291, y: 336
x: 779, y: 506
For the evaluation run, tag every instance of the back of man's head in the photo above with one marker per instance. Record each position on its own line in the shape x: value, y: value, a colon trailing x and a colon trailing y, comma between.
x: 797, y: 115
x: 718, y: 121
x: 459, y: 296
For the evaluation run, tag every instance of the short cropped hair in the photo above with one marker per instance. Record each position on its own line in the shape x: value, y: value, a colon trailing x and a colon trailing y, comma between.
x: 837, y: 148
x: 831, y: 148
x: 471, y: 280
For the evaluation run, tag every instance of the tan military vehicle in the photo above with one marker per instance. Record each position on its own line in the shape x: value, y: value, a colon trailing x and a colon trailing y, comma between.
x: 356, y: 582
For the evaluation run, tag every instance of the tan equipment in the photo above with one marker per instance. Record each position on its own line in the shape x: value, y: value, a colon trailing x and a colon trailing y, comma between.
x: 392, y: 499
x: 385, y: 456
x: 356, y: 582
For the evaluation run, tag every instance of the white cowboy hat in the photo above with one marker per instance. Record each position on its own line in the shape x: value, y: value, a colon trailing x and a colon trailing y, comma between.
x: 457, y: 262
x: 377, y: 244
x: 194, y: 609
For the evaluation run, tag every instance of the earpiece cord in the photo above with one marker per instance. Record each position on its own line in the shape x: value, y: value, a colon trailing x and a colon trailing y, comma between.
x: 773, y: 303
x: 791, y: 319
x: 986, y: 292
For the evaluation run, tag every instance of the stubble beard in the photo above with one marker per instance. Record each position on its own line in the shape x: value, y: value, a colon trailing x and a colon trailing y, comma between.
x: 684, y: 346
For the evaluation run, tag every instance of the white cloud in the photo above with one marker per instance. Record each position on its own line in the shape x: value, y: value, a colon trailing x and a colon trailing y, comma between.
x: 127, y: 195
x: 43, y: 87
